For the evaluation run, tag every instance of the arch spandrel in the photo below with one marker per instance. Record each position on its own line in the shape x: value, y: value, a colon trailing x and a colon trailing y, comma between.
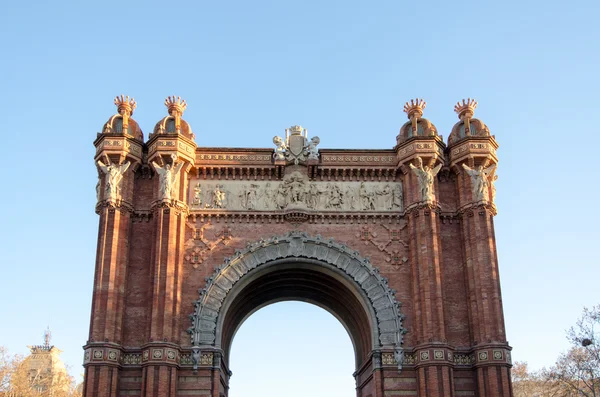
x: 384, y: 309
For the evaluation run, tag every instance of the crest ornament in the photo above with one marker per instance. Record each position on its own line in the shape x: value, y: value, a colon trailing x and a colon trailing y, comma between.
x: 296, y: 148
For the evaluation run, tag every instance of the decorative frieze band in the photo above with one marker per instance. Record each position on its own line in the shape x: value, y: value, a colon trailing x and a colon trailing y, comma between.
x: 391, y: 159
x: 151, y: 355
x: 433, y: 355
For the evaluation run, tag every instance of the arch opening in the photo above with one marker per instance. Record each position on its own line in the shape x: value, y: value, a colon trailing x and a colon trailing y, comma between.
x: 299, y: 267
x: 304, y: 348
x: 306, y: 281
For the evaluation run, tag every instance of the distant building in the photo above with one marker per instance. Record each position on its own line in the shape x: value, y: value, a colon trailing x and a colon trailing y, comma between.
x: 45, y: 368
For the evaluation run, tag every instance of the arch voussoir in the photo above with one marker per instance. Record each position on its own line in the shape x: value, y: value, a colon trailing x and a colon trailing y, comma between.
x: 380, y: 297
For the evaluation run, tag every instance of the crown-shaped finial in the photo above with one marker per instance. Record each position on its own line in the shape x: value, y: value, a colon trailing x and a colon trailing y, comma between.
x: 466, y: 109
x: 175, y: 105
x: 125, y: 104
x: 414, y: 108
x: 296, y: 128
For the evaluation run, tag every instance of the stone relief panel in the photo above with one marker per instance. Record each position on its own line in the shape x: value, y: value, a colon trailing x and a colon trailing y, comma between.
x: 295, y: 191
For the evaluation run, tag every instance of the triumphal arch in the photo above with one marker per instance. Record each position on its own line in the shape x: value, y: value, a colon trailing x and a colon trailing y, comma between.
x: 397, y: 243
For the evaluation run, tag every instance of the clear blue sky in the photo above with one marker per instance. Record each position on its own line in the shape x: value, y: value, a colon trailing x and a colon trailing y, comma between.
x: 342, y: 69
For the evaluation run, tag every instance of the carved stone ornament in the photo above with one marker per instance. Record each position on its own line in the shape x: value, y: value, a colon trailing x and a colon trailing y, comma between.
x: 296, y: 191
x: 296, y: 148
x: 113, y: 175
x: 167, y: 178
x: 425, y: 176
x: 482, y: 181
x: 298, y: 245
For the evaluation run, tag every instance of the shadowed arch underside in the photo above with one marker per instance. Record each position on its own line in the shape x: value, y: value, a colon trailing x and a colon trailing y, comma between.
x: 299, y: 267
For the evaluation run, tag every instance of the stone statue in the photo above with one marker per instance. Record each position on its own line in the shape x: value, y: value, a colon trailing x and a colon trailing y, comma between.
x: 493, y: 186
x: 280, y: 148
x: 168, y: 178
x: 480, y: 181
x: 113, y: 176
x: 425, y: 177
x: 313, y: 152
x: 367, y: 198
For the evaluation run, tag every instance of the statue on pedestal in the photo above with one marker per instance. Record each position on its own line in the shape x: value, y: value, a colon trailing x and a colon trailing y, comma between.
x: 114, y: 175
x: 425, y: 175
x: 168, y: 178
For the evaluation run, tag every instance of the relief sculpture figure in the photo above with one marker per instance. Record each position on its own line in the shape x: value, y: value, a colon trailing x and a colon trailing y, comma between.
x: 251, y: 197
x: 312, y: 196
x: 480, y: 181
x: 425, y: 176
x: 113, y: 177
x: 350, y: 198
x: 397, y: 197
x: 281, y: 196
x: 197, y: 199
x: 334, y: 200
x: 267, y: 197
x: 385, y: 197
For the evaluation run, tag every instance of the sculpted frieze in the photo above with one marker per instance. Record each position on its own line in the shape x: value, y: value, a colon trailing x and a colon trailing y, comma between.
x: 295, y: 191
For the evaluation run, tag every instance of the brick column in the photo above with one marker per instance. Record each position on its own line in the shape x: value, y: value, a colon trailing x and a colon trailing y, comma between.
x: 420, y: 157
x: 472, y: 153
x: 118, y: 155
x: 172, y: 151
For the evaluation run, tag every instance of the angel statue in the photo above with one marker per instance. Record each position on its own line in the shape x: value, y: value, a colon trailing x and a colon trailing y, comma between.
x: 425, y: 175
x: 114, y: 175
x: 480, y: 180
x: 168, y: 177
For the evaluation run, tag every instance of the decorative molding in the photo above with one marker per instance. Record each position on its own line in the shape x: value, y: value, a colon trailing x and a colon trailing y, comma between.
x: 322, y: 217
x: 395, y: 256
x: 234, y: 157
x: 196, y: 254
x: 359, y: 159
x: 464, y: 358
x: 131, y: 359
x: 297, y: 244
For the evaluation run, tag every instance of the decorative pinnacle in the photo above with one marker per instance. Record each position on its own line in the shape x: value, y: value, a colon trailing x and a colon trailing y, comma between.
x: 296, y: 129
x: 48, y: 335
x: 175, y: 105
x: 414, y: 108
x: 125, y: 104
x: 466, y: 109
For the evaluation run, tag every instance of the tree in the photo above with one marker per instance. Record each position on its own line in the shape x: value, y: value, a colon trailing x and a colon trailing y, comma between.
x: 19, y: 378
x: 577, y: 372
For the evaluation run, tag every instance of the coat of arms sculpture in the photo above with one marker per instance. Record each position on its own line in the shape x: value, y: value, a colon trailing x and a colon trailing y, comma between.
x: 296, y: 148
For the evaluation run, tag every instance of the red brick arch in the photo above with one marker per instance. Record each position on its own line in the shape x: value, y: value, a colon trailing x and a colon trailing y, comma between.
x: 299, y: 267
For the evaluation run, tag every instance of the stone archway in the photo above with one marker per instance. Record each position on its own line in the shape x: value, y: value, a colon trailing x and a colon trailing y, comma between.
x: 346, y: 281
